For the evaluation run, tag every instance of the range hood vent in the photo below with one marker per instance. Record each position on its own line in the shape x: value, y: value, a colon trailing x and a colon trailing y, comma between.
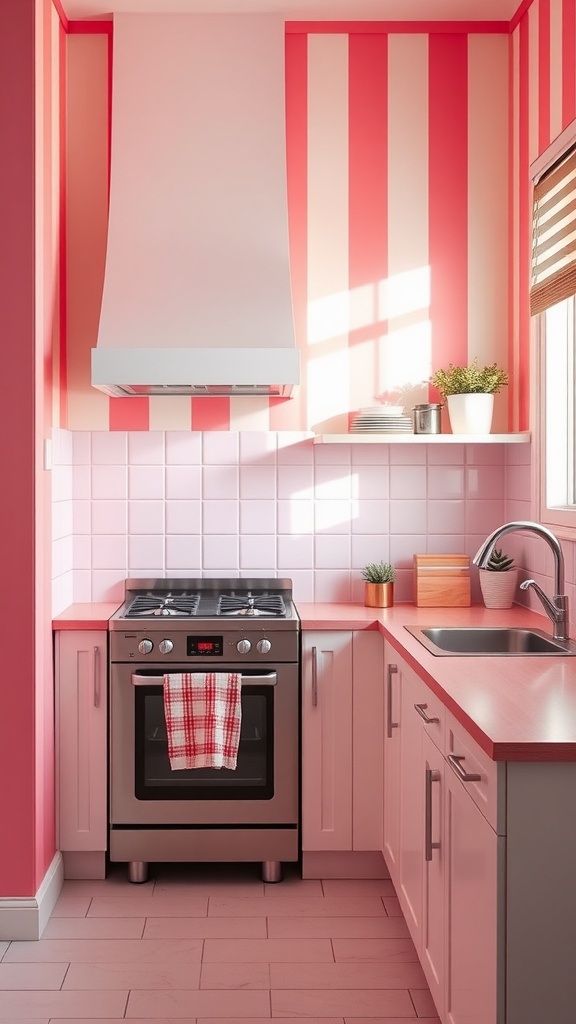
x: 197, y: 297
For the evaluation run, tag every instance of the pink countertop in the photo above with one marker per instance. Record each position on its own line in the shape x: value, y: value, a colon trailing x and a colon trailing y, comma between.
x: 516, y: 708
x: 85, y: 616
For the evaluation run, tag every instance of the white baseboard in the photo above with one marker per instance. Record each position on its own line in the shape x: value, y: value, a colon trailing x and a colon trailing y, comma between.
x: 24, y: 918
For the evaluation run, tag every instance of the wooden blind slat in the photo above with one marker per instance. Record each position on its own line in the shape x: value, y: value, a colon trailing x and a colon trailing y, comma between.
x: 555, y: 289
x: 554, y: 264
x: 564, y: 168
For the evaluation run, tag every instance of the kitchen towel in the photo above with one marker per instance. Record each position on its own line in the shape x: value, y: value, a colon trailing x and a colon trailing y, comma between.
x: 203, y: 712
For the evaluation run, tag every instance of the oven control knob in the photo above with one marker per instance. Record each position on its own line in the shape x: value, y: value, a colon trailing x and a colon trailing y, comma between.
x: 263, y: 646
x: 165, y: 646
x: 243, y: 646
x: 145, y: 646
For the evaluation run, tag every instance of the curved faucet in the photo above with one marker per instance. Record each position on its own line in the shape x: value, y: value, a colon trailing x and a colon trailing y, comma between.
x: 555, y: 607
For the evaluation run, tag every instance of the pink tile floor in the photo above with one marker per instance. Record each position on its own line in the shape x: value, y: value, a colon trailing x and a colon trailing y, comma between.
x: 202, y: 944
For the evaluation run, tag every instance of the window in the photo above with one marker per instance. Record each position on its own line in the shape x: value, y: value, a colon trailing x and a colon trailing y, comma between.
x: 556, y: 335
x: 553, y: 304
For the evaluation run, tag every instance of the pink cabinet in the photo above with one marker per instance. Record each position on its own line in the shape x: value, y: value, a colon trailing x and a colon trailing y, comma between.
x: 410, y: 881
x: 342, y: 749
x: 367, y: 740
x: 392, y: 766
x: 441, y: 850
x: 327, y: 741
x: 81, y: 750
x: 433, y: 922
x: 471, y: 897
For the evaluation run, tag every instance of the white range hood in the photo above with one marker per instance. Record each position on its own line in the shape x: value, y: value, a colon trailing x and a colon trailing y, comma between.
x: 196, y: 296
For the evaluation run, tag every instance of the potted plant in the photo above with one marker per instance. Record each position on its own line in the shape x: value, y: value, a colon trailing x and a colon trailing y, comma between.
x: 498, y: 580
x: 469, y: 392
x: 379, y: 584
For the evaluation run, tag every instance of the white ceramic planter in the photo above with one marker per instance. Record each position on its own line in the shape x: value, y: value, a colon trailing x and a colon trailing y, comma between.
x: 471, y: 414
x: 498, y: 588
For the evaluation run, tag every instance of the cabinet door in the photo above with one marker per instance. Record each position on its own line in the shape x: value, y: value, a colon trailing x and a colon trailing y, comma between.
x: 81, y: 701
x: 411, y: 861
x: 367, y: 739
x: 421, y: 750
x: 392, y: 780
x: 327, y: 741
x: 471, y: 857
x: 432, y: 949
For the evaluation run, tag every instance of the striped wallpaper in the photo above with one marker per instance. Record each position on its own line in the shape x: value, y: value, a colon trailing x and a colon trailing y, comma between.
x: 408, y: 156
x: 543, y: 89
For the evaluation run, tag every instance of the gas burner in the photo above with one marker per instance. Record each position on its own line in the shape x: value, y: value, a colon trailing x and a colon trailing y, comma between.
x: 146, y: 606
x: 251, y: 606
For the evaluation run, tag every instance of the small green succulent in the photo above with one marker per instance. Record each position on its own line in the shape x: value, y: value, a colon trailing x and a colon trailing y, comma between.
x: 379, y: 572
x: 469, y: 380
x: 499, y: 562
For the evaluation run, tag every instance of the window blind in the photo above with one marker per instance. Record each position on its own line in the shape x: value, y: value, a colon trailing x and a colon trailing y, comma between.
x: 554, y: 235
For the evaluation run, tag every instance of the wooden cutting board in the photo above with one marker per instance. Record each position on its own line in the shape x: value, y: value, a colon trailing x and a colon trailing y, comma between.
x: 442, y: 581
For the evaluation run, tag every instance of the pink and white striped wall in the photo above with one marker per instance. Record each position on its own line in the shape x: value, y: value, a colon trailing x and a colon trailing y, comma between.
x: 543, y: 91
x: 398, y: 166
x: 543, y: 86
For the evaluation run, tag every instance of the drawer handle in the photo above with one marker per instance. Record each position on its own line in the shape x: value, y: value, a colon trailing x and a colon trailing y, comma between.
x: 421, y: 709
x: 431, y: 776
x: 454, y: 761
x: 314, y: 677
x: 389, y: 723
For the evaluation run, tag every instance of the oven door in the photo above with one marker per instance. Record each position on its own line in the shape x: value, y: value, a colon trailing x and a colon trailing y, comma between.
x: 262, y: 790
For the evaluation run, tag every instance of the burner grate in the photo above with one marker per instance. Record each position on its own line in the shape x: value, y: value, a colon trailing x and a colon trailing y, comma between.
x: 250, y: 605
x: 149, y: 606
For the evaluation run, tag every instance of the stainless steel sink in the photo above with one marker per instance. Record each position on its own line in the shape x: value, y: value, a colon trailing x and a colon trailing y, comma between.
x: 485, y: 641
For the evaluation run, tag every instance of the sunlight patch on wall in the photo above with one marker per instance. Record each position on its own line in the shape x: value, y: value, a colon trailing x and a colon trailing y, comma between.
x: 333, y: 315
x: 328, y: 386
x: 405, y: 362
x: 404, y: 293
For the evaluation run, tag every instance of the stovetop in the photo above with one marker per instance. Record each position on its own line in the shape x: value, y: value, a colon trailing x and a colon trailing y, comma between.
x: 179, y: 603
x: 183, y: 605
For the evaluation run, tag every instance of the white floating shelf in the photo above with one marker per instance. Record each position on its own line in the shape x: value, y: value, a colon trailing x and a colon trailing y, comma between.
x: 388, y: 438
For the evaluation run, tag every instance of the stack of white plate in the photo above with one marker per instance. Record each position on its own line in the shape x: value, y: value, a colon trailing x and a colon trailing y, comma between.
x: 382, y: 419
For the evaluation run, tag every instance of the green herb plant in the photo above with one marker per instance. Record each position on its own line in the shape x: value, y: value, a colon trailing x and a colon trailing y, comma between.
x: 378, y: 572
x: 469, y: 380
x: 499, y: 562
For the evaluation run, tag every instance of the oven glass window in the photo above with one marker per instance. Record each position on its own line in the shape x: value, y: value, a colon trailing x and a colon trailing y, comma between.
x: 253, y: 777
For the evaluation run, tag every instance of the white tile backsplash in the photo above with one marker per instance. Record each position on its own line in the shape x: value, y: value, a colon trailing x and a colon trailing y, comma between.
x: 146, y: 448
x: 185, y: 503
x: 146, y: 517
x: 146, y: 552
x: 258, y: 517
x: 183, y: 481
x: 183, y: 448
x: 146, y: 482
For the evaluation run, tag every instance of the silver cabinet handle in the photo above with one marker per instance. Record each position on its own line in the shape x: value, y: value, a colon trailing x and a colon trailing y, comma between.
x: 156, y: 679
x: 454, y: 761
x: 96, y: 684
x: 389, y: 723
x: 314, y: 677
x: 431, y: 776
x: 421, y: 709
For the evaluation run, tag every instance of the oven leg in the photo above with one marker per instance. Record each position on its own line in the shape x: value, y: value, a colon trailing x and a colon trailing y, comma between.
x: 271, y: 871
x: 138, y: 871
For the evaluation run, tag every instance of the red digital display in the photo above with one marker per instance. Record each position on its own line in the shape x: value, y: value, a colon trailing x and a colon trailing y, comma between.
x: 204, y: 646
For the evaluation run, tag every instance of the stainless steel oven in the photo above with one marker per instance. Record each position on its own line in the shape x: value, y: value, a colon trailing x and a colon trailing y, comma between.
x: 207, y: 814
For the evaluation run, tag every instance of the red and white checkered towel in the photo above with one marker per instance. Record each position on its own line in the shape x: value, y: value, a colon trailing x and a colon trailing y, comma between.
x: 203, y: 714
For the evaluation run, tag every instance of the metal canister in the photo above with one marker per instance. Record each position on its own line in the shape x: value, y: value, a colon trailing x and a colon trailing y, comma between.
x: 427, y: 418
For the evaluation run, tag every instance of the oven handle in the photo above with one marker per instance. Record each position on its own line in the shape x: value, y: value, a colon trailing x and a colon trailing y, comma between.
x: 155, y: 680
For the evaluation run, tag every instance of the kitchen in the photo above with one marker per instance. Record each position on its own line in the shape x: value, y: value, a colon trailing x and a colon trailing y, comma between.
x: 268, y: 445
